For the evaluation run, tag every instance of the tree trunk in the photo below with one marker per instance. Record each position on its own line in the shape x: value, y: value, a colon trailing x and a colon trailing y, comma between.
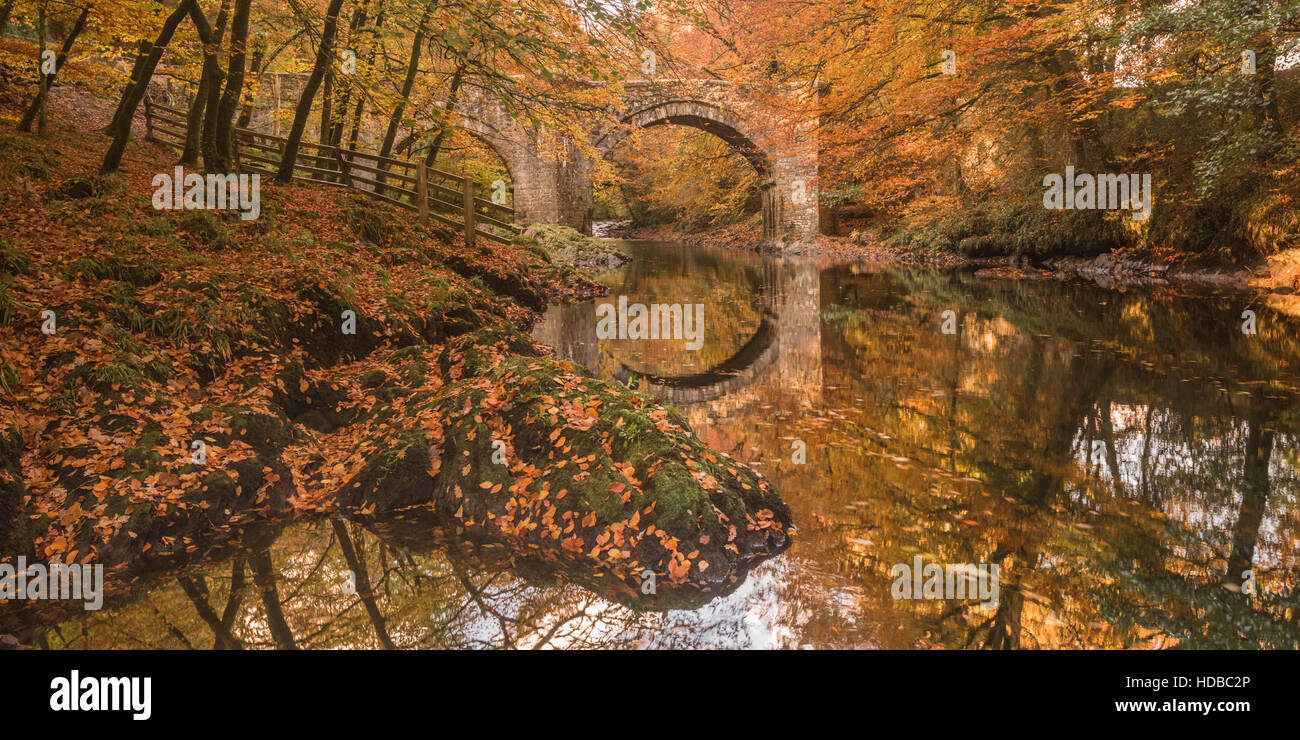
x: 37, y: 106
x: 141, y: 57
x: 412, y: 67
x: 264, y: 577
x: 323, y: 160
x: 212, y: 70
x: 365, y: 591
x: 323, y: 54
x: 370, y: 61
x: 136, y: 88
x: 452, y: 93
x: 333, y: 129
x: 5, y: 9
x: 1268, y: 116
x: 194, y: 117
x: 255, y: 64
x: 234, y: 84
x: 1255, y: 490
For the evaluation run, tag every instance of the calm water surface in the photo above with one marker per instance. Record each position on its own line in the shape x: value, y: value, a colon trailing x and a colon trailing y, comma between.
x: 1124, y: 456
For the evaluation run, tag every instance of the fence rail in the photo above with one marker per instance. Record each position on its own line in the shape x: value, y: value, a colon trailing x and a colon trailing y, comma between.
x: 435, y: 194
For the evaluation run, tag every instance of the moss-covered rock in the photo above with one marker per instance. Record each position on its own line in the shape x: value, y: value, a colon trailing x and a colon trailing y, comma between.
x: 580, y: 472
x: 570, y: 247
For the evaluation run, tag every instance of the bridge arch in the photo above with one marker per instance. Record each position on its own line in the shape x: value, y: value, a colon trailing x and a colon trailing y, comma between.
x: 555, y: 186
x: 706, y: 117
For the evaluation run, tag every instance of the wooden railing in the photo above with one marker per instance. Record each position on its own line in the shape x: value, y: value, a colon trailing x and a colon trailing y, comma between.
x: 445, y: 197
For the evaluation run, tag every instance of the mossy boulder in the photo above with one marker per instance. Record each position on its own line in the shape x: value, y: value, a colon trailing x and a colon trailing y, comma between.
x: 578, y: 471
x: 568, y: 246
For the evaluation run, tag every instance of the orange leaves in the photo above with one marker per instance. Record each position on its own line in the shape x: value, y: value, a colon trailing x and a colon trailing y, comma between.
x: 678, y: 567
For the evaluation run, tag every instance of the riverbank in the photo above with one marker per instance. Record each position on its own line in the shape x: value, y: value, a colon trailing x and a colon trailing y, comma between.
x: 1278, y: 275
x: 177, y: 381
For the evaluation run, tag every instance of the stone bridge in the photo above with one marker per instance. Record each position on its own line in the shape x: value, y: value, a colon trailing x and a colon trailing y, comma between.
x: 552, y: 175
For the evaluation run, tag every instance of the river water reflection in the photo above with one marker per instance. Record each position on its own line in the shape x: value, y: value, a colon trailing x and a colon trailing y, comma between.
x: 1123, y: 456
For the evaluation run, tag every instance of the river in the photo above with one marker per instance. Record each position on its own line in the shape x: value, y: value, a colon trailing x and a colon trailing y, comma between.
x: 1128, y: 459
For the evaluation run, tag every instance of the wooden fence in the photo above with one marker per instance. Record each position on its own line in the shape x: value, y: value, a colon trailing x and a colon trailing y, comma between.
x: 445, y: 197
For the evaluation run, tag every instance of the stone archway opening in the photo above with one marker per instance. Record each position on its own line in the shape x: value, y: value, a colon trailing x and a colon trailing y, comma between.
x: 479, y: 156
x: 555, y: 186
x: 715, y: 120
x: 675, y: 175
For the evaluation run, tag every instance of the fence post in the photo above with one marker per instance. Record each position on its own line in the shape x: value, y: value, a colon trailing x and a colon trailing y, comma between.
x: 148, y: 119
x: 422, y: 189
x: 469, y: 212
x: 343, y: 168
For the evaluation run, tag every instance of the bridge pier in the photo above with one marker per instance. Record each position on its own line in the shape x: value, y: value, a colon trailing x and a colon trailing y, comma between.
x: 792, y: 199
x: 552, y: 190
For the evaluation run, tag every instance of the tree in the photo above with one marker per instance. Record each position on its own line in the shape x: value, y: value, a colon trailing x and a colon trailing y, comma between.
x: 198, y: 105
x: 37, y: 107
x: 135, y: 89
x: 234, y: 85
x: 324, y: 56
x: 412, y: 67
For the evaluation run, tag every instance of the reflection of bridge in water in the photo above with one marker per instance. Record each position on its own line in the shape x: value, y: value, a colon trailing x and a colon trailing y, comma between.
x: 782, y: 359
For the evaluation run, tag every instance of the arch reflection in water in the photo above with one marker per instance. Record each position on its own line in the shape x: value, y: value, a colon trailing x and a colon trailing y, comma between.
x: 763, y: 328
